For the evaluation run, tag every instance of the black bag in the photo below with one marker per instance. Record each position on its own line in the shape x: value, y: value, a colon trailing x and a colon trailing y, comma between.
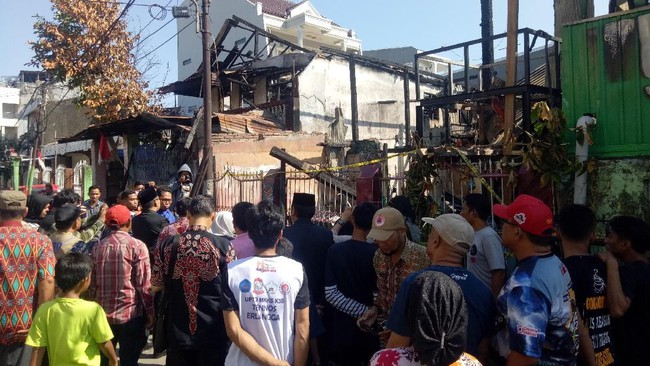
x: 160, y: 341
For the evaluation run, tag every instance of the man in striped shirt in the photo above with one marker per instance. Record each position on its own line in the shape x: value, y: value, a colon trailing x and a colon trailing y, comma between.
x: 122, y: 278
x: 350, y: 285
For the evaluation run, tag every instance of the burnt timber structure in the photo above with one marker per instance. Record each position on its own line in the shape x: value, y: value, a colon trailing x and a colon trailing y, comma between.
x: 539, y: 84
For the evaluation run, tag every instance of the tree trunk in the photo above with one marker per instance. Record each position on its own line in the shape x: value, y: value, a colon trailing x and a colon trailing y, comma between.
x: 569, y: 11
x: 487, y: 30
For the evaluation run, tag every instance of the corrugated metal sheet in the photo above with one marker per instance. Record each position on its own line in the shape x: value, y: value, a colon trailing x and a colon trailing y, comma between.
x: 250, y: 122
x: 603, y: 73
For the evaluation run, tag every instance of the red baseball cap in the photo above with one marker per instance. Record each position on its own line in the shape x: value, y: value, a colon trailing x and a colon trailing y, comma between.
x: 529, y: 213
x: 117, y: 216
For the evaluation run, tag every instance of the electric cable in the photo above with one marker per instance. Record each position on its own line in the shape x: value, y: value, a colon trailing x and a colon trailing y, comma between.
x: 165, y: 42
x: 156, y: 31
x: 101, y: 44
x: 154, y: 17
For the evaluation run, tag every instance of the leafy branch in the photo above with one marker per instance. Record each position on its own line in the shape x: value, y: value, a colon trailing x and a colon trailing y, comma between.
x: 87, y: 46
x: 547, y: 152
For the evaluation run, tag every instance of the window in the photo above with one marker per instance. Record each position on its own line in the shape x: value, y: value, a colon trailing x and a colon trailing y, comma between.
x: 11, y: 133
x: 9, y: 110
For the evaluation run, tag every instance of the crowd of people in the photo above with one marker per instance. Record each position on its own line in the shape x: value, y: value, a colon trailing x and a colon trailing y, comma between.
x: 82, y: 283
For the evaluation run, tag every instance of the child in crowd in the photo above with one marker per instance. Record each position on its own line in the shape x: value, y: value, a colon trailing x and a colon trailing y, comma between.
x: 72, y: 330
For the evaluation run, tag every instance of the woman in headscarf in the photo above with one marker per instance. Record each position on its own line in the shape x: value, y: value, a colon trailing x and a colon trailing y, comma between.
x: 437, y: 320
x: 37, y: 207
x: 222, y: 225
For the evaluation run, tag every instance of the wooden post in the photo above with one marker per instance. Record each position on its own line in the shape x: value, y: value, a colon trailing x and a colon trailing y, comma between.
x: 353, y: 101
x: 407, y: 109
x: 511, y: 75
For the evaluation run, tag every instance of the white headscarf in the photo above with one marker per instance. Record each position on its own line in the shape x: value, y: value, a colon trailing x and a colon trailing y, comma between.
x: 222, y: 225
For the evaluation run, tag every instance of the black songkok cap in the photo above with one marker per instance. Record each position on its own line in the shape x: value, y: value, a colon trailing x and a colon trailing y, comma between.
x: 67, y: 213
x: 304, y: 199
x: 147, y: 195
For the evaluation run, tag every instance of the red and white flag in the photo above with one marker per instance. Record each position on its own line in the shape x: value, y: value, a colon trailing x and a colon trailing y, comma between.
x: 39, y: 161
x: 104, y: 149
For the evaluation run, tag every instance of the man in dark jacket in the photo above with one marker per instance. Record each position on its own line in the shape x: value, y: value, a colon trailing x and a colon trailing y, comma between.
x: 310, y: 245
x: 148, y: 225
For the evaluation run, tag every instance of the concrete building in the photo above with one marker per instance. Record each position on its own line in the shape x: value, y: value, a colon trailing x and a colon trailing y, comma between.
x: 9, y: 113
x: 405, y: 56
x: 298, y: 23
x: 50, y: 108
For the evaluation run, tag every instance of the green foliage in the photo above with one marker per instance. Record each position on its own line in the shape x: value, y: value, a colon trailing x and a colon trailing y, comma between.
x: 546, y: 152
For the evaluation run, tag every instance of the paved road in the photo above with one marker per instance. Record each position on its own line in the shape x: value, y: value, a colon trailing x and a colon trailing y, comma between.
x: 147, y: 356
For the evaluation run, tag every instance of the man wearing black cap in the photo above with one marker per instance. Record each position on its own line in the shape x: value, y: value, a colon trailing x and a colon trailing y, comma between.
x: 148, y: 225
x: 68, y: 236
x: 310, y: 245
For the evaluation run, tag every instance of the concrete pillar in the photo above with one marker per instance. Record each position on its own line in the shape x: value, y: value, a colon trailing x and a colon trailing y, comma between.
x: 15, y: 163
x: 300, y: 36
x: 235, y: 96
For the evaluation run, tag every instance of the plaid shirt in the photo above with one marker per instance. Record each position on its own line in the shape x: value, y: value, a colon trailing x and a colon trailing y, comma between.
x: 390, y: 276
x: 122, y: 277
x: 26, y: 258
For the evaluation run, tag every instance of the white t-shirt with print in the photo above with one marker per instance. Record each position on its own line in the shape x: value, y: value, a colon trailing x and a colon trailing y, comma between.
x: 265, y: 291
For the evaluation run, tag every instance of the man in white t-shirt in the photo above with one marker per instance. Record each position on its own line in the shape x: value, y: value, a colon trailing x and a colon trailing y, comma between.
x: 265, y: 298
x: 485, y: 258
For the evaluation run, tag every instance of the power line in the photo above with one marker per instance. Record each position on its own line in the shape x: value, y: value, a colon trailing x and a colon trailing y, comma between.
x: 121, y: 3
x: 168, y: 39
x: 100, y: 45
x: 163, y: 15
x: 156, y: 31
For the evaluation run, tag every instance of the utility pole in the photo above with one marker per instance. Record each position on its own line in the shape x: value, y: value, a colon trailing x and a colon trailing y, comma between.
x: 511, y: 75
x: 487, y: 31
x: 40, y: 124
x: 207, y: 99
x: 353, y: 99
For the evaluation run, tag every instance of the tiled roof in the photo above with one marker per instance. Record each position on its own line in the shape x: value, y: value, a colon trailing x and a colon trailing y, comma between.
x: 278, y: 8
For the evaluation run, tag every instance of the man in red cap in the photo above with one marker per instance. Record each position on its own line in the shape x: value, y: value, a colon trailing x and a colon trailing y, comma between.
x: 537, y: 301
x: 123, y: 288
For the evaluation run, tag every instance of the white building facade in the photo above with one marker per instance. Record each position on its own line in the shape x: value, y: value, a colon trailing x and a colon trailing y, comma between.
x: 10, y: 128
x: 298, y: 23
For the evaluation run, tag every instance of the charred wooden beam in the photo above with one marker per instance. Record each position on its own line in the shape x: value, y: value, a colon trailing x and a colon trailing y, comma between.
x: 322, y: 177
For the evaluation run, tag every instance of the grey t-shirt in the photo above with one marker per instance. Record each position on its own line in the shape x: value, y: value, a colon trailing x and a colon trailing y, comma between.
x: 485, y: 255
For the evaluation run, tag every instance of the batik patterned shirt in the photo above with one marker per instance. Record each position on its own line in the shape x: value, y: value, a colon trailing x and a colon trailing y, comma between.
x: 176, y: 228
x: 408, y: 357
x: 26, y: 257
x: 196, y: 274
x: 390, y: 276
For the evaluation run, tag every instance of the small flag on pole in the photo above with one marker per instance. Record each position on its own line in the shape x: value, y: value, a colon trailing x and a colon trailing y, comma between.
x: 40, y: 162
x: 104, y: 149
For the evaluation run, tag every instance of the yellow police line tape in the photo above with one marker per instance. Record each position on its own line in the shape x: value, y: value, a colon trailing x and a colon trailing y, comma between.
x: 375, y: 161
x: 329, y: 169
x: 477, y: 173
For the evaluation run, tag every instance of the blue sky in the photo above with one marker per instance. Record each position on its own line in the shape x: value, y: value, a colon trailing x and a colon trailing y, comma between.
x: 425, y: 24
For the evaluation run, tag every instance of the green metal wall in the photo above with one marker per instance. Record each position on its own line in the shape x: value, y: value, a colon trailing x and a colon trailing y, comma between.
x: 603, y: 73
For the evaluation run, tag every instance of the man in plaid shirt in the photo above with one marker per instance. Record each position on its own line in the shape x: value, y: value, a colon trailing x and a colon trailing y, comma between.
x: 122, y: 279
